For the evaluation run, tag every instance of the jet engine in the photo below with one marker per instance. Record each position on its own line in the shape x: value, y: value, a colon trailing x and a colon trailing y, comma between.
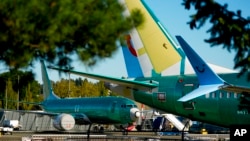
x: 64, y: 122
x: 81, y: 119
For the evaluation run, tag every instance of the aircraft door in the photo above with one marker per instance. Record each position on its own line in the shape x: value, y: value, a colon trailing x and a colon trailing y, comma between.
x: 189, y: 105
x: 77, y: 108
x: 113, y: 107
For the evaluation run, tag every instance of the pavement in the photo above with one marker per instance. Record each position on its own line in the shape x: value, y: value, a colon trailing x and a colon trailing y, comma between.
x: 107, y: 136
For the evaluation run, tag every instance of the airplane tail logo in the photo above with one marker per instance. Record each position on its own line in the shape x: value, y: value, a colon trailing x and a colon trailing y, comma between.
x: 47, y: 89
x: 150, y: 46
x: 130, y: 57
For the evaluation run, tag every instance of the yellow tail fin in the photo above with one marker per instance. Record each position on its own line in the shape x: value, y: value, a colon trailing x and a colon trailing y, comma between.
x: 155, y: 41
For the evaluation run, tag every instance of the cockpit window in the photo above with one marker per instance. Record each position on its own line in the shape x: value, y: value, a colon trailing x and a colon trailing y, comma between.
x: 129, y: 106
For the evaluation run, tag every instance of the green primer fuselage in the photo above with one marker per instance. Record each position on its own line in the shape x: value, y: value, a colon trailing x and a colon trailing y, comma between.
x: 219, y: 107
x: 103, y: 110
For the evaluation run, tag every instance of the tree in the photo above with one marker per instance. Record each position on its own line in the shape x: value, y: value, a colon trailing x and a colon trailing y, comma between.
x: 103, y: 91
x: 228, y: 29
x: 79, y: 88
x: 55, y: 30
x: 28, y: 98
x: 11, y: 96
x: 32, y: 95
x: 85, y: 88
x: 61, y: 88
x: 15, y: 82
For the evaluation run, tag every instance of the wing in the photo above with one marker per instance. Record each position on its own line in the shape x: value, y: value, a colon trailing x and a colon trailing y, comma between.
x: 120, y: 81
x: 40, y: 113
x: 80, y: 118
x: 237, y: 89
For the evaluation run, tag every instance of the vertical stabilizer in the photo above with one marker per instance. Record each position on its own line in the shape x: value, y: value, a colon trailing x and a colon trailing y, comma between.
x: 130, y: 57
x: 151, y: 51
x: 209, y: 81
x: 205, y: 74
x: 47, y: 89
x: 151, y: 44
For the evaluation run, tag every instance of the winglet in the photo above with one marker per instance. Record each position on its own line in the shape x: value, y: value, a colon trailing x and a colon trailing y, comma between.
x: 209, y: 81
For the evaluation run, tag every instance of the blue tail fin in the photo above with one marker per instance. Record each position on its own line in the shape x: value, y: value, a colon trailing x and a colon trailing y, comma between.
x: 130, y: 57
x: 209, y: 81
x: 47, y: 89
x: 205, y: 74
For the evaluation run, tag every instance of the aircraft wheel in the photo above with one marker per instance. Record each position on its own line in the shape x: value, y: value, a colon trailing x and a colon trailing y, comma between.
x: 101, y: 130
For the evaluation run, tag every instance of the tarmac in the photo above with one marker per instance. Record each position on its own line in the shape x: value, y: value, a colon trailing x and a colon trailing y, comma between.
x: 108, y: 136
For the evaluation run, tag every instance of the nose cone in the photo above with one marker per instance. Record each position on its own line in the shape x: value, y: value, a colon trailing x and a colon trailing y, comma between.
x: 134, y: 114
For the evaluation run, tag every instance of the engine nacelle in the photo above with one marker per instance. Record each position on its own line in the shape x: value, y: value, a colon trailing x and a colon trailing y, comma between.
x: 81, y: 119
x: 64, y: 122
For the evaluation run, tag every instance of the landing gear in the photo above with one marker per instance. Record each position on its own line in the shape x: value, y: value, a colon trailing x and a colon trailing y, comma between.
x: 98, y: 129
x: 124, y: 130
x: 88, y: 132
x: 183, y: 130
x: 138, y: 127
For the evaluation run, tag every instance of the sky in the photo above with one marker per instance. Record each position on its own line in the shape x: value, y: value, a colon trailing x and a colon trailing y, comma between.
x: 174, y: 17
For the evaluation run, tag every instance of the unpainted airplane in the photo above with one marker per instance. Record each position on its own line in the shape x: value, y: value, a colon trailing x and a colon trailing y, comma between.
x: 86, y: 111
x: 163, y: 77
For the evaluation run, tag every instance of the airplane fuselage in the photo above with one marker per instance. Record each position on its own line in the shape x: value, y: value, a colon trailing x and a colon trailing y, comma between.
x: 219, y: 107
x: 102, y: 110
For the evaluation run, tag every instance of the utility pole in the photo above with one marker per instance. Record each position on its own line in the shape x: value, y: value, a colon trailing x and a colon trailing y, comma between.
x: 6, y: 104
x: 69, y: 85
x: 17, y: 92
x: 70, y: 68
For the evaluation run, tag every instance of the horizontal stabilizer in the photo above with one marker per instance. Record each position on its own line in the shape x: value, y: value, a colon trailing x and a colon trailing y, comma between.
x: 202, y: 90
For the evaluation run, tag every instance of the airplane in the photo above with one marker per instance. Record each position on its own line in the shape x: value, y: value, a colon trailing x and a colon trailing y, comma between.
x: 67, y: 112
x: 175, y: 79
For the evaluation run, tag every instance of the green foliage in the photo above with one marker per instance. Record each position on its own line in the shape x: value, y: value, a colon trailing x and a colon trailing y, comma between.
x: 10, y: 96
x: 228, y: 29
x: 61, y: 88
x: 79, y: 88
x: 55, y: 30
x: 29, y: 98
x: 30, y: 91
x: 17, y: 81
